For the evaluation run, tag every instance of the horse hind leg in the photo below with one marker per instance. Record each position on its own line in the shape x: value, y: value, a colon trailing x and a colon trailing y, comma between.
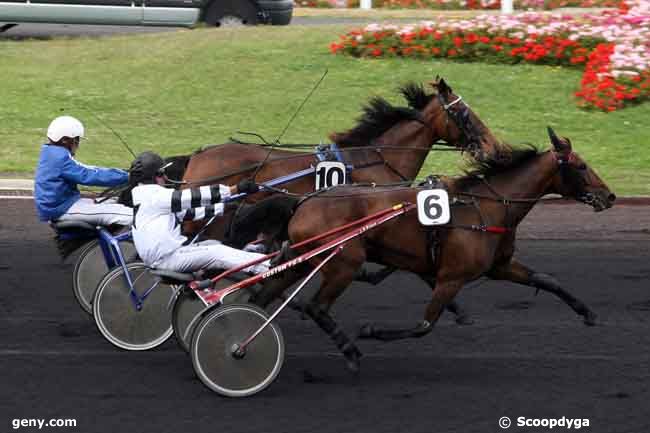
x: 274, y: 287
x: 342, y: 341
x: 337, y: 276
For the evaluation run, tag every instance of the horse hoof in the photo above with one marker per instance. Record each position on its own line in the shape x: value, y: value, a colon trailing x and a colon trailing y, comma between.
x: 366, y: 331
x: 591, y: 319
x: 464, y: 320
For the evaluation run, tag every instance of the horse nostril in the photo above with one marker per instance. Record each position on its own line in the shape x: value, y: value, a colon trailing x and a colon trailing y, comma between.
x: 611, y: 198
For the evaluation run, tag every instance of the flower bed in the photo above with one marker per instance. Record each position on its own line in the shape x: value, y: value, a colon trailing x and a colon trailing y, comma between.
x: 613, y: 47
x: 460, y: 4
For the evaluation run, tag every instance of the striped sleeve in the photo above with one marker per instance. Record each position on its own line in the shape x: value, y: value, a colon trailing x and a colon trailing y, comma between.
x: 198, y: 197
x: 199, y: 213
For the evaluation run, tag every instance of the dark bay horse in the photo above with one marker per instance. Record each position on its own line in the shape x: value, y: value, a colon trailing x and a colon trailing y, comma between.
x: 497, y: 194
x: 389, y: 144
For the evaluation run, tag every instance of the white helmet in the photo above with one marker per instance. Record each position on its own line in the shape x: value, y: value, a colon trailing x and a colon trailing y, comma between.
x: 65, y: 126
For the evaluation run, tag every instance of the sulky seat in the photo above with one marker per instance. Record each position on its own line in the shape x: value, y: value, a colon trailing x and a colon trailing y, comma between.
x: 176, y: 277
x: 71, y: 225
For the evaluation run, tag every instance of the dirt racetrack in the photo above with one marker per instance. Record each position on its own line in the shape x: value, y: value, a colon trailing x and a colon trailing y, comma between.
x: 525, y: 355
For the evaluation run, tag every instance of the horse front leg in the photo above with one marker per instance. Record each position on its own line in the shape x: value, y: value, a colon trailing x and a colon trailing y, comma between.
x: 374, y: 278
x: 462, y: 318
x: 521, y: 274
x: 443, y: 294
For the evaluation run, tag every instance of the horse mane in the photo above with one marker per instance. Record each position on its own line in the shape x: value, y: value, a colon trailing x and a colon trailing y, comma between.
x: 415, y: 95
x: 378, y: 117
x: 203, y: 149
x: 489, y: 167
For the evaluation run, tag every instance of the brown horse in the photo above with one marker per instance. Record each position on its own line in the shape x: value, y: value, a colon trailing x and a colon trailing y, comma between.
x: 389, y: 144
x: 479, y: 241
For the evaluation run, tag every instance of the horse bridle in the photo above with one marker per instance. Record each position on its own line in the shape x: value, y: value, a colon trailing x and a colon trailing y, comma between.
x: 564, y: 164
x: 567, y: 169
x: 462, y: 119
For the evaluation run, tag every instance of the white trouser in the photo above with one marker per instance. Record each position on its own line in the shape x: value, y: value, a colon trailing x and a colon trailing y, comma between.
x: 99, y: 214
x: 211, y: 254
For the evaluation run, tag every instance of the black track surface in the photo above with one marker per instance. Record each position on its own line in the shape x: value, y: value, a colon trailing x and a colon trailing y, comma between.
x: 525, y: 355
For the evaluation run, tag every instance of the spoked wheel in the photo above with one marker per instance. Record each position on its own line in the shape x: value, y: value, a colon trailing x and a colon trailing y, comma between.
x: 90, y: 268
x: 120, y: 321
x: 187, y: 310
x: 185, y: 315
x: 214, y: 343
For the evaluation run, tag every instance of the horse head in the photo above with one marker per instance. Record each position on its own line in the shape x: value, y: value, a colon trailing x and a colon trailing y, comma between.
x: 575, y: 179
x: 453, y: 121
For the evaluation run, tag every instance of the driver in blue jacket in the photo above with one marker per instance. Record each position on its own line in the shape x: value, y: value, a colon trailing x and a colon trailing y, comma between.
x: 58, y: 174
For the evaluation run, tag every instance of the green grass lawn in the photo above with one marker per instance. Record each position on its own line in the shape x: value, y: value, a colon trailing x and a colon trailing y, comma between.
x: 174, y: 92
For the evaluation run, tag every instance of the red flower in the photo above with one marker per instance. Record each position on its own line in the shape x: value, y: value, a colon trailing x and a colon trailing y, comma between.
x: 470, y: 39
x: 452, y: 53
x: 376, y: 52
x: 458, y: 42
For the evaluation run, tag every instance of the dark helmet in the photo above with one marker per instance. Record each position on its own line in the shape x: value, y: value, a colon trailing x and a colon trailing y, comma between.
x: 145, y: 167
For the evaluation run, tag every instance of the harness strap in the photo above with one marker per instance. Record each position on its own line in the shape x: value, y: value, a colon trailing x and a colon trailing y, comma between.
x: 455, y: 101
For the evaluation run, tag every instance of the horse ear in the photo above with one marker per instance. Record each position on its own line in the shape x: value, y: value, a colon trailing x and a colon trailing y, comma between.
x: 552, y: 136
x: 443, y: 87
x: 559, y: 144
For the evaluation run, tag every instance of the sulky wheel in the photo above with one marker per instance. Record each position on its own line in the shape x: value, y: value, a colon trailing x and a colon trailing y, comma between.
x: 90, y: 268
x: 214, y: 358
x: 120, y: 321
x: 225, y: 13
x: 185, y: 315
x: 188, y: 309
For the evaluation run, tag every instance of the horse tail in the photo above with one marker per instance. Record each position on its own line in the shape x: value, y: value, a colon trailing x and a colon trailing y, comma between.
x: 269, y: 216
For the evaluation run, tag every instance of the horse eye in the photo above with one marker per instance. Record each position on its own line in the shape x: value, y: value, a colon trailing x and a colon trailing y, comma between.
x: 582, y: 166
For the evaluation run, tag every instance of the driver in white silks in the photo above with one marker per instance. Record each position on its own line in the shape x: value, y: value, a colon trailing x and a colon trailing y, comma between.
x: 159, y: 212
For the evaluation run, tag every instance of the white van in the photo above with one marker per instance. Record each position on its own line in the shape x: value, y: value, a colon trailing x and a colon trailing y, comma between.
x: 147, y: 12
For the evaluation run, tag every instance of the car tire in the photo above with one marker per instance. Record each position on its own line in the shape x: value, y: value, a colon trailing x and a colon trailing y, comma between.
x: 280, y: 11
x: 221, y: 13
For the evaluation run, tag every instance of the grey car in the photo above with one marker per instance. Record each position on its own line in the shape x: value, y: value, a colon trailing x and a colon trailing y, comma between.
x: 147, y: 12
